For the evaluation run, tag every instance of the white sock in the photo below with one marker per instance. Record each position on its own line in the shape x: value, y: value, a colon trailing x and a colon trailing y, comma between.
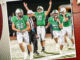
x: 25, y: 55
x: 31, y: 55
x: 60, y: 51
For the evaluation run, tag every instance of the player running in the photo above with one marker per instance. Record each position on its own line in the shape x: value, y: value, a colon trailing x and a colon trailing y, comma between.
x: 21, y: 25
x: 40, y: 17
x: 67, y: 29
x: 56, y: 27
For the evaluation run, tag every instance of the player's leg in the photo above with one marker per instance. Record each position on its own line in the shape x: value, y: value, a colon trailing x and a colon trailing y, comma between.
x: 72, y: 40
x: 43, y: 38
x: 61, y: 48
x: 38, y: 32
x: 70, y: 35
x: 43, y: 45
x: 61, y: 38
x: 65, y: 39
x: 55, y: 34
x: 22, y: 47
x: 29, y: 47
x: 56, y: 40
x: 26, y: 37
x: 30, y: 40
x: 20, y: 39
x: 65, y: 34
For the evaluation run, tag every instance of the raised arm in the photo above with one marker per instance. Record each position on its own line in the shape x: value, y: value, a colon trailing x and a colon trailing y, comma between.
x: 50, y: 4
x: 26, y: 7
x: 65, y: 18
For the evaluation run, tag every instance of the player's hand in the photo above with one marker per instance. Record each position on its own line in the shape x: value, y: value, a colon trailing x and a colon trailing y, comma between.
x: 50, y: 2
x: 25, y: 4
x: 46, y: 27
x: 58, y: 20
x: 64, y: 14
x: 37, y: 37
x: 24, y: 30
x: 18, y: 31
x: 66, y: 19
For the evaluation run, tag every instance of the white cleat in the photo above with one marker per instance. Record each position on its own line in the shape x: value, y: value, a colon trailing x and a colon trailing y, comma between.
x: 61, y: 52
x: 25, y: 56
x: 31, y: 55
x: 66, y: 46
x: 74, y: 46
x: 71, y: 47
x: 57, y: 47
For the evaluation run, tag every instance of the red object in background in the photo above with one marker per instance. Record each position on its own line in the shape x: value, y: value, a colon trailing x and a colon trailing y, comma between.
x: 1, y: 22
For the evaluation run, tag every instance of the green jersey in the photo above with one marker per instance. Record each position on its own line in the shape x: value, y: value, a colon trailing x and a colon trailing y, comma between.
x: 40, y: 17
x: 20, y: 24
x: 61, y: 18
x: 54, y: 23
x: 68, y: 23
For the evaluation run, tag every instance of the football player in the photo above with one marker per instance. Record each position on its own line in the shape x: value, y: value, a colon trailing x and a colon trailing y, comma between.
x: 67, y: 29
x: 56, y: 27
x: 21, y: 25
x: 40, y: 17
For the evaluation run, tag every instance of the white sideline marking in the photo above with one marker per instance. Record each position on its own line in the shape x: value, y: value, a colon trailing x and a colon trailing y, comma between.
x: 54, y: 57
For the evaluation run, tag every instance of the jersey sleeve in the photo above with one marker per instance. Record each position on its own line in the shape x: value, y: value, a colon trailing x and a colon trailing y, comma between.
x: 26, y: 18
x: 61, y: 19
x: 13, y: 19
x: 45, y: 12
x: 67, y: 15
x: 50, y: 20
x: 35, y: 14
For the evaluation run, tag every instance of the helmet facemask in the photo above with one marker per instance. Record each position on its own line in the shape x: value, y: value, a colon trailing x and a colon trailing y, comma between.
x: 55, y: 13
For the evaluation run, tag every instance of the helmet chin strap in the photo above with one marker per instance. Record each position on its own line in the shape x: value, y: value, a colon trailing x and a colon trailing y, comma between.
x: 19, y: 17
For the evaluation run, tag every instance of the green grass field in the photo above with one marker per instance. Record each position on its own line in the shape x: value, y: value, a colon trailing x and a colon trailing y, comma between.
x: 50, y: 53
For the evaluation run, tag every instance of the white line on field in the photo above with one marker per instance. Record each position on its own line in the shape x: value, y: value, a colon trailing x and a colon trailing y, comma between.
x: 56, y: 56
